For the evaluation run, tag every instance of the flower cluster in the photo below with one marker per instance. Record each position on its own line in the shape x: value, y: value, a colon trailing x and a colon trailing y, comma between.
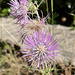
x: 38, y: 45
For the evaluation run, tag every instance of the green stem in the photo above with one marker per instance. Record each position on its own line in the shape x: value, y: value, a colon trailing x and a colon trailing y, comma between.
x: 47, y: 10
x: 52, y: 12
x: 47, y: 6
x: 52, y: 15
x: 55, y: 72
x: 36, y: 8
x: 40, y: 3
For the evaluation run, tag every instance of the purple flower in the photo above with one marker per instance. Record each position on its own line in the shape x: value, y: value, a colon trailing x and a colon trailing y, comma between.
x: 32, y: 27
x: 20, y: 10
x: 40, y: 48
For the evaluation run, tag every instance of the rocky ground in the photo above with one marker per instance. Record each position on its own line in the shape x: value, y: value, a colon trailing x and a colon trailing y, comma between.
x: 64, y: 35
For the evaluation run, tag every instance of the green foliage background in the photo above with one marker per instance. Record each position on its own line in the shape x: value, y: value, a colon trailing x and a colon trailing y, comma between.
x: 62, y: 8
x: 4, y: 8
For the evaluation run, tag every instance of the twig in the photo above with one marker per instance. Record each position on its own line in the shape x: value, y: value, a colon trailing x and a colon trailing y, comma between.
x: 10, y: 34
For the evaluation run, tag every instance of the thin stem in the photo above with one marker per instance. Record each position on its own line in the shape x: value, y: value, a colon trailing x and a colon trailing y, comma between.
x: 72, y: 57
x: 37, y: 9
x: 1, y: 21
x: 40, y: 3
x: 48, y: 18
x: 1, y: 27
x: 52, y: 12
x: 55, y: 72
x: 10, y: 34
x: 64, y: 44
x: 47, y: 10
x: 52, y: 15
x: 47, y: 6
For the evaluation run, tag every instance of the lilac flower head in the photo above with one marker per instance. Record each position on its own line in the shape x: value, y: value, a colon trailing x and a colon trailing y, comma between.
x: 32, y: 27
x: 20, y: 10
x: 41, y: 48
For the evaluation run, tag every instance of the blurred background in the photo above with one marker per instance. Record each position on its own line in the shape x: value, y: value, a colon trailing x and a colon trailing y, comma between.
x: 64, y: 10
x: 11, y: 62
